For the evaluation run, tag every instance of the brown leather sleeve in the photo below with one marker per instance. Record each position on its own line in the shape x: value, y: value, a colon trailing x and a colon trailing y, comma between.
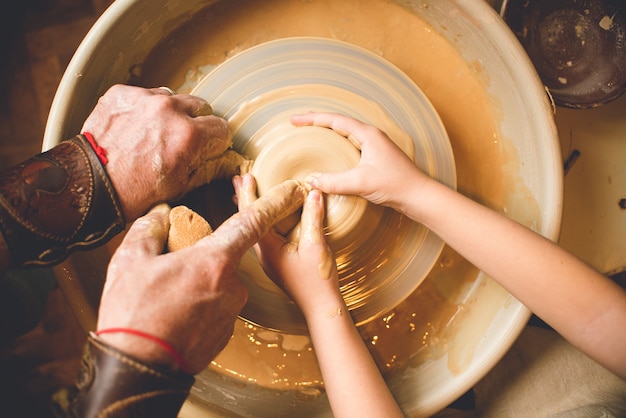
x: 56, y: 202
x: 112, y: 384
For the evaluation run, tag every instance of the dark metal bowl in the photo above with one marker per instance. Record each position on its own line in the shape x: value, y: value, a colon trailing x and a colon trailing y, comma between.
x: 577, y: 46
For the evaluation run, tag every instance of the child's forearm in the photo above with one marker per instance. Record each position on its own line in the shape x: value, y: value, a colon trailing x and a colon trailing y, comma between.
x: 585, y: 307
x: 353, y: 382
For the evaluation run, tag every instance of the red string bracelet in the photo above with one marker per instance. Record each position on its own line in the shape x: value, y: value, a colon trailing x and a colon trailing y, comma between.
x: 180, y: 361
x: 100, y: 152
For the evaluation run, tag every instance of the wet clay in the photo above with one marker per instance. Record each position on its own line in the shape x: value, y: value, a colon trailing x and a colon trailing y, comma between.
x: 281, y: 151
x: 361, y: 235
x: 418, y: 329
x: 382, y: 256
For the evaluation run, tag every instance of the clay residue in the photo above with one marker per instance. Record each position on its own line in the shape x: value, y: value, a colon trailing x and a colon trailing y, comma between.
x: 269, y: 359
x: 418, y: 330
x: 226, y: 165
x: 326, y: 265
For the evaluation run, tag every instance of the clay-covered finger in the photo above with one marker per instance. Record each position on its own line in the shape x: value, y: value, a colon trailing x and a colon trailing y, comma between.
x: 242, y: 230
x: 312, y: 224
x: 192, y: 105
x: 245, y: 188
x: 216, y: 134
x: 145, y: 238
x: 226, y: 165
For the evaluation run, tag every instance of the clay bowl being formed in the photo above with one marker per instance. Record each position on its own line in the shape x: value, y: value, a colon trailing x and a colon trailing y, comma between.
x: 483, y: 101
x: 382, y: 256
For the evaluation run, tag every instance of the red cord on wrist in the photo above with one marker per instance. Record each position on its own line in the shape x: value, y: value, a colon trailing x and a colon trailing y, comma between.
x: 178, y: 359
x: 100, y: 152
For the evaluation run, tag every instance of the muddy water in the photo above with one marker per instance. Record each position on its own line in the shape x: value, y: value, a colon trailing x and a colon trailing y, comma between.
x: 419, y: 328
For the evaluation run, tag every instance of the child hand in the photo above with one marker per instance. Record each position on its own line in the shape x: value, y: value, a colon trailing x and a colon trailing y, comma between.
x: 306, y: 270
x: 383, y: 172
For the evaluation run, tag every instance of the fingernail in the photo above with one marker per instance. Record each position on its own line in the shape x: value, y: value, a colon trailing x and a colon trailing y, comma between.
x: 161, y: 208
x: 236, y: 181
x: 314, y: 195
x: 312, y: 178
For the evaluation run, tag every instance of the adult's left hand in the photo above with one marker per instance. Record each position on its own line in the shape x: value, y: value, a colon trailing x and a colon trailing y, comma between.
x: 156, y: 144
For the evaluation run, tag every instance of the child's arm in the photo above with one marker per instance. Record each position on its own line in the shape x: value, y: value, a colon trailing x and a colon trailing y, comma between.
x: 585, y: 307
x: 307, y: 271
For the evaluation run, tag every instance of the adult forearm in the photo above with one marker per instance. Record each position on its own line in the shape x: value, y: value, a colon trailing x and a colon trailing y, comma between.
x: 55, y: 202
x: 112, y: 384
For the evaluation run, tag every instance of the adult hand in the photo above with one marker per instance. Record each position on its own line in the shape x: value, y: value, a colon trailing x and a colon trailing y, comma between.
x: 189, y: 298
x: 306, y: 270
x: 156, y: 144
x: 383, y: 171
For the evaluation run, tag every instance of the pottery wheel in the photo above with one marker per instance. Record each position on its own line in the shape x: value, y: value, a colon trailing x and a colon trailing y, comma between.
x: 382, y: 256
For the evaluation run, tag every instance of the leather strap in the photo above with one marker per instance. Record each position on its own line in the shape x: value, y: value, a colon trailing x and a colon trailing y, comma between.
x: 56, y: 202
x: 112, y: 384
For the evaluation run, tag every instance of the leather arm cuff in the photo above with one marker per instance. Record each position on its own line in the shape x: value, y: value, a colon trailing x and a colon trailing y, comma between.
x: 112, y: 384
x: 56, y: 202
